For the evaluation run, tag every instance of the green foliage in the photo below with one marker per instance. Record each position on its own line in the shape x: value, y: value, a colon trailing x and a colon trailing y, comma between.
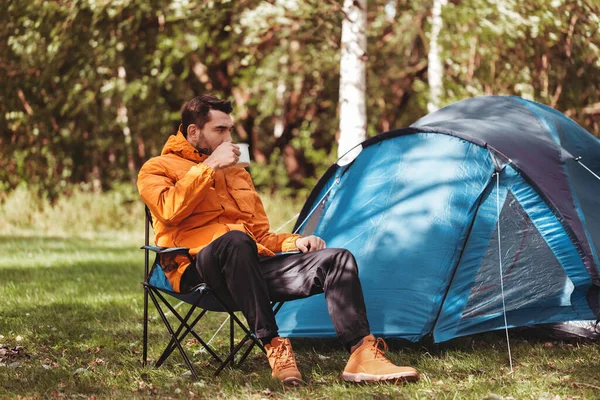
x: 541, y: 50
x: 92, y: 89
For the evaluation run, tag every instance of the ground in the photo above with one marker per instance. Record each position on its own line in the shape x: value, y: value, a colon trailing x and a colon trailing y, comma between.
x: 70, y: 327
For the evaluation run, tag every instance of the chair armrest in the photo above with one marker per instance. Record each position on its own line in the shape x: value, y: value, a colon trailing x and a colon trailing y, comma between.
x: 167, y: 250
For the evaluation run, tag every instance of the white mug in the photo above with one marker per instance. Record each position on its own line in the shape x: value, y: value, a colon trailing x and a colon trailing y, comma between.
x: 244, y: 159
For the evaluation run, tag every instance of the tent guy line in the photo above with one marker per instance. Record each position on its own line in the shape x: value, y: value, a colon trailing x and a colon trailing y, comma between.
x: 589, y: 170
x: 501, y: 270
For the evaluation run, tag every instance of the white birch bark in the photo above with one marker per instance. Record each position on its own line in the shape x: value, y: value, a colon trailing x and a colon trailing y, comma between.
x: 353, y: 77
x: 434, y: 66
x: 124, y: 122
x: 280, y: 100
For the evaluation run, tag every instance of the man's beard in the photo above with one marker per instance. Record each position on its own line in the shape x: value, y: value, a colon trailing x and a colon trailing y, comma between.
x: 204, y: 150
x: 202, y: 146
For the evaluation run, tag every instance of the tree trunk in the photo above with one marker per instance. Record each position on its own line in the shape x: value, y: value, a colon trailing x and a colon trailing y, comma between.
x: 434, y: 69
x: 353, y: 77
x: 124, y: 122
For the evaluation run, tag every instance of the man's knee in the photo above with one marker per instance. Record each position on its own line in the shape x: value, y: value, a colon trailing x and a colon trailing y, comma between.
x: 238, y: 238
x: 236, y: 251
x: 340, y: 258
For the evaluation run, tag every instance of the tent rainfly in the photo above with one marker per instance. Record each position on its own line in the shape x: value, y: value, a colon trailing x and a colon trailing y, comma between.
x: 484, y: 210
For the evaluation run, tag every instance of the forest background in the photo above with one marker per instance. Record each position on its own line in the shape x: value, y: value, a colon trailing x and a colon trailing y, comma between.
x: 91, y: 89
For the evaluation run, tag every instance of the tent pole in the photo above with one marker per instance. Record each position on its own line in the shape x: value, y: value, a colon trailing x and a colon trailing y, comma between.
x: 501, y: 272
x: 468, y: 234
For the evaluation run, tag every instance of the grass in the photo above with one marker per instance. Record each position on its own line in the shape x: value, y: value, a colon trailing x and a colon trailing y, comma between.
x: 70, y: 327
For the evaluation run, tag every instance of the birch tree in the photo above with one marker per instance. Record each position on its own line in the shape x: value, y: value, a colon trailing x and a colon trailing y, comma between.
x: 353, y: 76
x: 434, y: 69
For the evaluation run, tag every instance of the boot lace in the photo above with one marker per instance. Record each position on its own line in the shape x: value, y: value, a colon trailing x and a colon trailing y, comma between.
x: 379, y: 346
x: 284, y: 356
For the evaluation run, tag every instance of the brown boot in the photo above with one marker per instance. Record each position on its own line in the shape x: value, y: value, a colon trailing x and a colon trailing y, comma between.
x: 368, y: 364
x: 282, y: 361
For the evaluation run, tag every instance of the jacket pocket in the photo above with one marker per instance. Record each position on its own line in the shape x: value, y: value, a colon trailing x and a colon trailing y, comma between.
x: 243, y: 194
x: 210, y: 203
x: 245, y: 200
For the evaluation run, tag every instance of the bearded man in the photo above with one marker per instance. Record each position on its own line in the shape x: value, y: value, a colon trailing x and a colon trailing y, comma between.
x: 199, y: 200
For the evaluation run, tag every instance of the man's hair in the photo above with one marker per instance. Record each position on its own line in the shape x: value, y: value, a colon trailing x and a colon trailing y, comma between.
x: 196, y: 110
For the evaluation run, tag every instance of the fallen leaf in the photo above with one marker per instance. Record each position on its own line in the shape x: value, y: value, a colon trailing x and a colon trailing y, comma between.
x: 186, y: 374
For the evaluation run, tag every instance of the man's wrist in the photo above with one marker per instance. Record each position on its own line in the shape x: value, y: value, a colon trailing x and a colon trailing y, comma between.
x: 210, y: 163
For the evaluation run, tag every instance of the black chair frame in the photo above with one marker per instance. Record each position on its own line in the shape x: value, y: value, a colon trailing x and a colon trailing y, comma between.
x: 197, y: 294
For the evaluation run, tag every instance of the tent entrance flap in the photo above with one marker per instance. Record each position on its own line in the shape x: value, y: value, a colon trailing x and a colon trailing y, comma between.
x: 543, y: 275
x: 530, y: 278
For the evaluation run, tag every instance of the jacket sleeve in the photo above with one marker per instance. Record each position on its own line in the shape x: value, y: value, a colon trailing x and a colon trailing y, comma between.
x: 260, y: 229
x: 171, y: 200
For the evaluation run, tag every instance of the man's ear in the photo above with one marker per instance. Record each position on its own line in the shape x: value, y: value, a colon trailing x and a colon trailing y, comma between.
x: 191, y: 130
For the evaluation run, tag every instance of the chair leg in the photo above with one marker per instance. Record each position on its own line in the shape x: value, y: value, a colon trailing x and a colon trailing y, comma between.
x: 177, y: 338
x: 171, y: 346
x: 231, y: 339
x: 249, y: 334
x: 184, y: 329
x: 166, y: 322
x: 276, y: 308
x: 145, y: 335
x: 246, y: 353
x: 230, y: 357
x: 189, y: 329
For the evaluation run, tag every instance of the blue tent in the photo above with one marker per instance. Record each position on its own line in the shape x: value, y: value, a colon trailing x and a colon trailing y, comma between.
x: 487, y: 208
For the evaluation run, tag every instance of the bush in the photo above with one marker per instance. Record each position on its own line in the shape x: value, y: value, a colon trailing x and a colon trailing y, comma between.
x: 81, y: 212
x: 78, y: 213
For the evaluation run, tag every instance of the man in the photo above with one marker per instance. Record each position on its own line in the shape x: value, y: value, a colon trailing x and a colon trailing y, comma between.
x: 199, y: 200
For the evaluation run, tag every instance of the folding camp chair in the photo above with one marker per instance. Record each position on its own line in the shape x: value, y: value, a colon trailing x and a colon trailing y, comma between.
x: 200, y: 297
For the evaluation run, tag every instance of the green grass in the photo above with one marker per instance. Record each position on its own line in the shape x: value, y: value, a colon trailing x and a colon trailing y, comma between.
x: 70, y: 327
x: 75, y: 307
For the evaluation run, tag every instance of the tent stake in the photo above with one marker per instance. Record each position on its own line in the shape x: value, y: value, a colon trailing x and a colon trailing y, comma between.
x: 501, y: 272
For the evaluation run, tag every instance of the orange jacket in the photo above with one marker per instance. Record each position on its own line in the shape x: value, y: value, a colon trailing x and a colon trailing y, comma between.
x: 192, y: 205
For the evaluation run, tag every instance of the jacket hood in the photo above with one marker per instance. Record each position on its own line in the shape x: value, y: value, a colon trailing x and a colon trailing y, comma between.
x: 178, y: 145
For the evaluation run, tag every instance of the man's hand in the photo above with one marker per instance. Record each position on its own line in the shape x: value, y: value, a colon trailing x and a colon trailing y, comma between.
x: 310, y: 243
x: 225, y: 155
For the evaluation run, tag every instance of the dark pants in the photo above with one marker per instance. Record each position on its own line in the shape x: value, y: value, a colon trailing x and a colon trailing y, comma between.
x: 231, y: 266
